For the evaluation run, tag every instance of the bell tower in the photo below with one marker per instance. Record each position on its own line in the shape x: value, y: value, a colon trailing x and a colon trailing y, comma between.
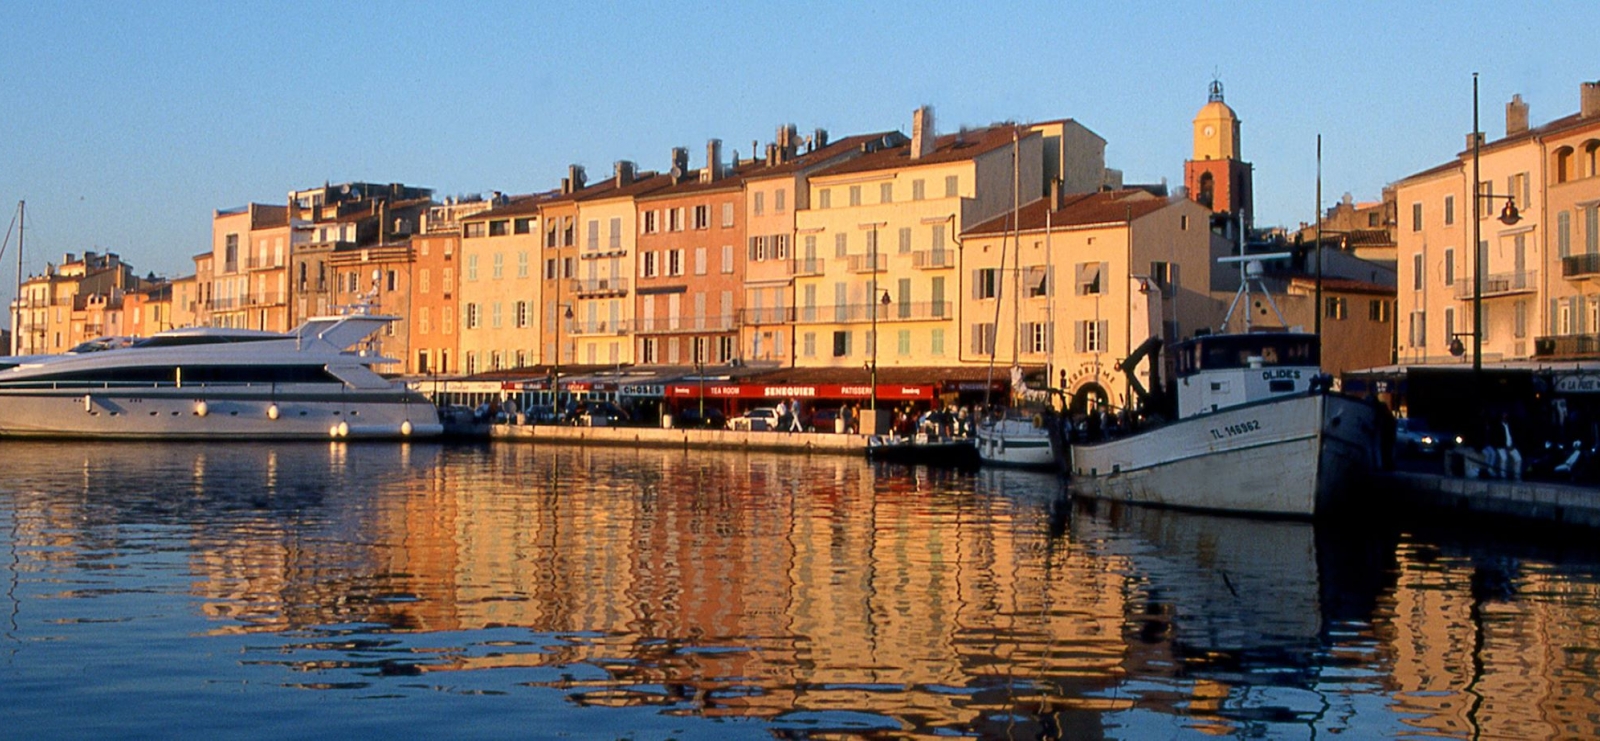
x: 1216, y: 177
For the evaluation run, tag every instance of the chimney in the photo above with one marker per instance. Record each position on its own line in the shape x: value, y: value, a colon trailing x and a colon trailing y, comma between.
x: 819, y: 139
x: 787, y: 144
x: 680, y: 163
x: 1474, y: 138
x: 1589, y: 103
x: 922, y: 132
x: 574, y: 180
x: 1055, y: 194
x: 1516, y: 116
x: 624, y: 171
x: 713, y: 168
x: 772, y: 154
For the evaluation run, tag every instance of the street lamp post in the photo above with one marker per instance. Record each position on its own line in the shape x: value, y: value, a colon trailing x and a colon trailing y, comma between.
x: 1508, y: 216
x: 872, y: 254
x: 555, y: 372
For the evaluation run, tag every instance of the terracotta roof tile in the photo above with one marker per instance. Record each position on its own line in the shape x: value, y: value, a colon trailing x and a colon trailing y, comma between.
x: 947, y: 148
x: 1083, y: 209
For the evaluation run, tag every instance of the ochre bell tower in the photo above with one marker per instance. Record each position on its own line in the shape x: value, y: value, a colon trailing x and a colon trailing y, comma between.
x: 1216, y: 177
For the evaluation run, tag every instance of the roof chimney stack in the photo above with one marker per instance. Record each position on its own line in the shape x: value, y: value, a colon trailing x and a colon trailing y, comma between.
x: 1589, y: 103
x: 1516, y: 116
x: 713, y: 169
x: 574, y: 180
x: 922, y: 132
x: 680, y: 164
x: 624, y: 171
x: 819, y: 139
x: 1474, y: 138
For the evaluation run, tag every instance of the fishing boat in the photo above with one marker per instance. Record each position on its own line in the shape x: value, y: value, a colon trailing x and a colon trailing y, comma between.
x: 213, y: 383
x: 1257, y: 431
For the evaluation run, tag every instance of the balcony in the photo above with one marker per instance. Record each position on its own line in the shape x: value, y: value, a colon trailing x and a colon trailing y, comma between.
x: 271, y: 298
x: 1567, y: 346
x: 597, y: 287
x: 1580, y: 266
x: 809, y: 266
x: 596, y: 254
x: 688, y: 325
x: 768, y: 315
x: 933, y: 259
x: 894, y: 312
x: 1501, y: 284
x: 868, y: 263
x: 576, y: 328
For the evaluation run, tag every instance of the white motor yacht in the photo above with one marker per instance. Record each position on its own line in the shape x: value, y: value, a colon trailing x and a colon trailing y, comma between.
x: 213, y: 383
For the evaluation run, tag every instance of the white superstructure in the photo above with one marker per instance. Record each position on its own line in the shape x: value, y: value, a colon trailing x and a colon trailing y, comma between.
x: 209, y: 383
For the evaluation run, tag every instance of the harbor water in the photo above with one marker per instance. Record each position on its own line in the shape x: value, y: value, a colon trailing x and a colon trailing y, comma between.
x: 512, y: 590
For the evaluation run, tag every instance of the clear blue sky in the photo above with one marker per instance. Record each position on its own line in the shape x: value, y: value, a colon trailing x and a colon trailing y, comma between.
x: 124, y: 124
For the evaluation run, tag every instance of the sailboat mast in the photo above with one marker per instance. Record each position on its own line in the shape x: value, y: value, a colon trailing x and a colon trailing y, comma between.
x: 1016, y: 242
x: 1000, y: 279
x: 16, y: 317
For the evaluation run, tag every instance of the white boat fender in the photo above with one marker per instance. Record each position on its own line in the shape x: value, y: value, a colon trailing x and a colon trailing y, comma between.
x: 344, y: 429
x: 405, y: 428
x: 88, y: 403
x: 201, y: 409
x: 272, y: 411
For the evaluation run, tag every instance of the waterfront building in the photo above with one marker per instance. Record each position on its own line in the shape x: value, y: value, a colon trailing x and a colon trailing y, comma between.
x: 434, y: 342
x: 249, y: 267
x: 690, y: 271
x: 500, y: 288
x: 773, y: 194
x: 600, y: 295
x: 878, y: 244
x: 1075, y: 283
x: 79, y: 299
x: 378, y: 277
x: 1538, y: 293
x: 559, y: 215
x: 331, y: 218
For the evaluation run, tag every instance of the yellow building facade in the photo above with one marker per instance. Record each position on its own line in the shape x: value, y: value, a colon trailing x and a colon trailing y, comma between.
x: 500, y: 288
x: 878, y: 271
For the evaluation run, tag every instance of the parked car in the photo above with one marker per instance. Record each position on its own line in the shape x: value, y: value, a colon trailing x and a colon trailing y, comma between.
x: 714, y: 418
x: 756, y: 420
x: 1413, y: 438
x: 602, y: 414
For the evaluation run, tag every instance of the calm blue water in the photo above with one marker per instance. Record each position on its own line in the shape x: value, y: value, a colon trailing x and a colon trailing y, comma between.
x: 329, y: 590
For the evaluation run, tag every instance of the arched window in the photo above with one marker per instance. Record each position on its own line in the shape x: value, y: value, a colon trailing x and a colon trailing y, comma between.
x: 1591, y: 153
x: 1562, y: 164
x: 1208, y: 188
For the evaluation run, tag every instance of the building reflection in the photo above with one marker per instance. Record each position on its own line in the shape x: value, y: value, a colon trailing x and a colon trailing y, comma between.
x: 763, y: 585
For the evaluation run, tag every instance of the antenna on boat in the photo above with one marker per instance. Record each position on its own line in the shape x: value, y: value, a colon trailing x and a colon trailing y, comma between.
x: 1253, y: 271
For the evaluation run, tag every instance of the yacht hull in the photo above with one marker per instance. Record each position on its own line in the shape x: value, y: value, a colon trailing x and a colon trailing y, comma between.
x: 1015, y: 443
x: 1291, y: 456
x: 213, y: 413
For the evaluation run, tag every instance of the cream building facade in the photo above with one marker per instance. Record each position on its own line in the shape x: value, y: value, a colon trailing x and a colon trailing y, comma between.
x: 1537, y: 293
x: 500, y: 287
x: 1083, y: 281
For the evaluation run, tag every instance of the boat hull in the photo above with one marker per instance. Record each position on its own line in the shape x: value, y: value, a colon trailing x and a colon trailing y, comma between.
x: 957, y: 453
x: 1015, y: 443
x: 216, y: 413
x: 1290, y: 456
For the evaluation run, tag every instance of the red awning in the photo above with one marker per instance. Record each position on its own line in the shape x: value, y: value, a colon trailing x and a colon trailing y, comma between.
x: 844, y: 391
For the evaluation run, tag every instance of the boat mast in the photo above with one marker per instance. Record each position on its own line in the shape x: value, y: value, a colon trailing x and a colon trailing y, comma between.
x: 16, y: 316
x: 1000, y: 280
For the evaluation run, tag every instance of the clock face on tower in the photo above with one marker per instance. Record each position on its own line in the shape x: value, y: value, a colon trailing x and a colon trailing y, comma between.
x: 1209, y: 131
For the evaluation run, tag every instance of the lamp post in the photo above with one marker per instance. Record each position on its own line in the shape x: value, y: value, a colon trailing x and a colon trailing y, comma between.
x: 1508, y: 216
x: 555, y: 372
x: 872, y: 254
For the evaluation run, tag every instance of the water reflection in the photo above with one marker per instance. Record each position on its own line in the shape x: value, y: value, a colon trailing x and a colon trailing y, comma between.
x: 811, y: 594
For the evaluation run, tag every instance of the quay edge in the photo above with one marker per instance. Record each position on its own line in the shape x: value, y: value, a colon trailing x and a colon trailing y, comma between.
x: 1531, y: 502
x: 691, y: 439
